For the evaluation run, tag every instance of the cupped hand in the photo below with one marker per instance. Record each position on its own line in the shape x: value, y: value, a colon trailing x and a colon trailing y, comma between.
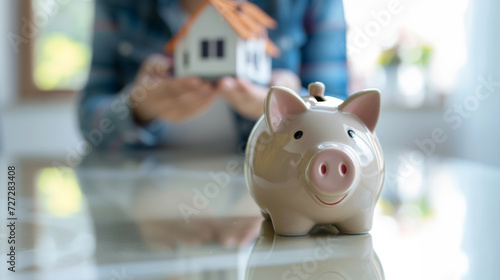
x: 247, y: 98
x: 244, y: 96
x: 156, y: 94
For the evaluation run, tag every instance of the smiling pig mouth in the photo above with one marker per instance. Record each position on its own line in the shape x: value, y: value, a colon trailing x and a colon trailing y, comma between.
x: 330, y: 204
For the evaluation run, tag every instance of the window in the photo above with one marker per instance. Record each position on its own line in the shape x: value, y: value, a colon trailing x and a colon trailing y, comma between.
x: 54, y: 59
x: 256, y: 61
x: 212, y: 48
x: 220, y: 48
x: 204, y: 49
x: 185, y: 59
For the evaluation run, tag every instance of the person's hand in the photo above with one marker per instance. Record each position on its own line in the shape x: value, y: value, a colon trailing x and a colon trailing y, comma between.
x: 156, y: 95
x: 286, y: 78
x: 244, y: 96
x: 248, y: 98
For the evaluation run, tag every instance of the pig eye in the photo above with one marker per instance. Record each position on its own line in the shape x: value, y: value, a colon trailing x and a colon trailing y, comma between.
x: 351, y: 133
x: 298, y: 134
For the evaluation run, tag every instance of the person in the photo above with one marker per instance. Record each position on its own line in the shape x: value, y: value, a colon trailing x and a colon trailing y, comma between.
x: 187, y: 112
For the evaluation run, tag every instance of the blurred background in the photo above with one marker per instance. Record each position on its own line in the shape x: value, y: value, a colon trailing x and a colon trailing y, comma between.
x: 434, y: 61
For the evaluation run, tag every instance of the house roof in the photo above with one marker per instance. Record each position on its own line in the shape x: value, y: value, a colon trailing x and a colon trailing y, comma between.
x: 246, y: 18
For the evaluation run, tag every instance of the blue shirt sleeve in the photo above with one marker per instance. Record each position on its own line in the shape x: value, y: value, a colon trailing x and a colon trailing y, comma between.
x: 105, y: 116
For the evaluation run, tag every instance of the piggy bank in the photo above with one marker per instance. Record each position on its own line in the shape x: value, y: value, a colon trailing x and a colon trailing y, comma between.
x: 316, y: 160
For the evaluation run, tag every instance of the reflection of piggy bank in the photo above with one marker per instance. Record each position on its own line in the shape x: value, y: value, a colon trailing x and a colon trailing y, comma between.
x: 316, y: 160
x: 318, y: 256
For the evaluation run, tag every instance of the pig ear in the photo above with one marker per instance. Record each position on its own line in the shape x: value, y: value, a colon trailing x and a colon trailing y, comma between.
x: 365, y: 105
x: 280, y: 103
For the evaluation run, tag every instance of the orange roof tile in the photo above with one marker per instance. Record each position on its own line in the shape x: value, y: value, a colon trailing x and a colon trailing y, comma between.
x: 246, y: 18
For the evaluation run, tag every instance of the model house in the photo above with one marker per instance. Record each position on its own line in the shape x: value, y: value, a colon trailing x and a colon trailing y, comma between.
x: 225, y: 38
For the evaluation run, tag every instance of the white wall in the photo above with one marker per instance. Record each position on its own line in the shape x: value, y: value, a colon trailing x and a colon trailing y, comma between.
x: 478, y: 130
x: 260, y: 74
x: 40, y: 129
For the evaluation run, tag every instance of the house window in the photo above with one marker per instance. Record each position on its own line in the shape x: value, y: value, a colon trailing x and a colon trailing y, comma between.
x: 220, y: 48
x: 185, y: 59
x: 205, y: 49
x: 212, y: 48
x: 256, y: 61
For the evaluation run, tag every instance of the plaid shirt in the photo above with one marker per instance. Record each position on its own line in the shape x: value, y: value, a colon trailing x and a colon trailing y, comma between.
x: 310, y: 34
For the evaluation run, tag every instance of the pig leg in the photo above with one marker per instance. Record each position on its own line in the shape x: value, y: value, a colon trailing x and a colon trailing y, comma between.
x: 288, y: 224
x: 357, y: 224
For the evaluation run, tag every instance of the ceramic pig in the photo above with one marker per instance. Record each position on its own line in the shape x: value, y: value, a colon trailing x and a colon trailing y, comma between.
x: 316, y: 160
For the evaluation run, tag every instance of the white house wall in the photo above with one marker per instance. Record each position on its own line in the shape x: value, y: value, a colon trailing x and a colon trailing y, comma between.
x: 211, y: 26
x: 241, y: 58
x: 248, y: 69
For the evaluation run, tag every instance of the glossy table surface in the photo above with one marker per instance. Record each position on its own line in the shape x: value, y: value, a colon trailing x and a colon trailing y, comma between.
x: 161, y: 215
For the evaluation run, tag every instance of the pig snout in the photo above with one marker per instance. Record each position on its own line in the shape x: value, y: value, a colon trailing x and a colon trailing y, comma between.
x: 332, y: 171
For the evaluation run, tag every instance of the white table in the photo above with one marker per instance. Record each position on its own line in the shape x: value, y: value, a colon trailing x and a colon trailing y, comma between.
x: 159, y: 215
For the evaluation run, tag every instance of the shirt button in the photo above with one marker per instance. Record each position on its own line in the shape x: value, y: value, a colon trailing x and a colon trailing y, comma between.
x: 125, y: 48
